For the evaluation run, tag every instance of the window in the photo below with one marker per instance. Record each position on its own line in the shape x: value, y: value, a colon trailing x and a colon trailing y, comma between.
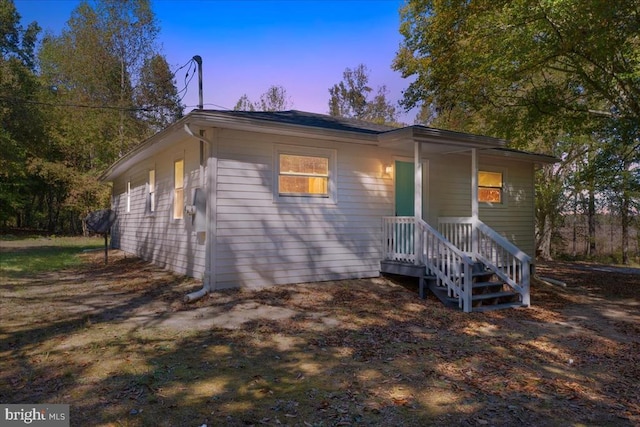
x: 490, y: 187
x: 303, y: 175
x: 152, y: 190
x: 128, y: 196
x: 178, y: 189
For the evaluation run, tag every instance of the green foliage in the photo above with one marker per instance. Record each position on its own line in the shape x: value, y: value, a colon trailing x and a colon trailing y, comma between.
x: 350, y: 98
x: 22, y: 124
x: 156, y: 94
x: 575, y: 61
x: 114, y: 40
x: 99, y: 87
x: 559, y: 76
x: 16, y: 42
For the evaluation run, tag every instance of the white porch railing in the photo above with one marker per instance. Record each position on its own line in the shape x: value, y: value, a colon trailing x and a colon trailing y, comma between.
x: 428, y: 247
x: 398, y: 236
x: 484, y: 244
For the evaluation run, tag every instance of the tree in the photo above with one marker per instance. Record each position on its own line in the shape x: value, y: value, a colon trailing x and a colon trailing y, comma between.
x: 274, y: 99
x: 617, y: 166
x: 156, y: 94
x: 22, y: 123
x: 244, y: 104
x: 16, y: 42
x: 571, y: 59
x: 350, y: 98
x: 115, y: 40
x: 89, y: 95
x: 527, y: 71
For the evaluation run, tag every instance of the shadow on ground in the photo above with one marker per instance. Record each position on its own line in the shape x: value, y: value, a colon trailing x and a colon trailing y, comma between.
x: 119, y: 346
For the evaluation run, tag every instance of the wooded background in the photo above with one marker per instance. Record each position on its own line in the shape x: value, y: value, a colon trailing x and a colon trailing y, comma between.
x: 560, y: 77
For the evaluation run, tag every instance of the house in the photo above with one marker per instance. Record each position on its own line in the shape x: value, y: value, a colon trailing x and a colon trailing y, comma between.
x: 248, y: 199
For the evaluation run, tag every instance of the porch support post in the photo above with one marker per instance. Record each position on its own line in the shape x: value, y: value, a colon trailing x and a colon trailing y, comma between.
x: 417, y: 200
x: 475, y: 210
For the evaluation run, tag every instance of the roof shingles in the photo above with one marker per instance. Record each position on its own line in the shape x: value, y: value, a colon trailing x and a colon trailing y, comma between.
x: 302, y: 118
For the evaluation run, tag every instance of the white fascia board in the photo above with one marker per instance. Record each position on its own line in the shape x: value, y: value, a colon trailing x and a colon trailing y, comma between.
x: 441, y: 137
x: 539, y: 159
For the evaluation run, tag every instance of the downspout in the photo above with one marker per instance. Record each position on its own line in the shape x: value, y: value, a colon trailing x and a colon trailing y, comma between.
x: 205, y: 184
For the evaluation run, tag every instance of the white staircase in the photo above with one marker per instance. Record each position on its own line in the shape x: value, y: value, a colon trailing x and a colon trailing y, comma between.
x: 468, y: 265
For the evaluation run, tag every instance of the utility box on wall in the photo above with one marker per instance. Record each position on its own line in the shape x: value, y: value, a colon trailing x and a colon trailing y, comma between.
x: 200, y: 211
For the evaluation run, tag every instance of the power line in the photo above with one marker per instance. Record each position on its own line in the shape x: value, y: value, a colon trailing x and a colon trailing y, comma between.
x: 15, y: 100
x: 186, y: 82
x: 215, y: 105
x: 188, y: 77
x: 189, y: 63
x: 191, y: 71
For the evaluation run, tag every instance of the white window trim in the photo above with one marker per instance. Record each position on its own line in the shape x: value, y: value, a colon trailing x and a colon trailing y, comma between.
x: 173, y: 190
x: 151, y: 192
x: 504, y: 190
x: 301, y: 150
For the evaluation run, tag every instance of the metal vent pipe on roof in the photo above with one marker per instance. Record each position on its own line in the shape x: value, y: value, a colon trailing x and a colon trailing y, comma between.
x: 198, y: 60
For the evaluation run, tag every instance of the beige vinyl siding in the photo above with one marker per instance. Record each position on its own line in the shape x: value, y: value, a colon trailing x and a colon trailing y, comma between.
x: 516, y: 219
x: 156, y: 236
x: 264, y: 240
x: 449, y: 187
x: 261, y: 239
x: 450, y: 196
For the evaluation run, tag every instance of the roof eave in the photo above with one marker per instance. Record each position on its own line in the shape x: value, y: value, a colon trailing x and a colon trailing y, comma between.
x: 438, y: 136
x: 208, y: 119
x: 139, y: 152
x: 538, y: 159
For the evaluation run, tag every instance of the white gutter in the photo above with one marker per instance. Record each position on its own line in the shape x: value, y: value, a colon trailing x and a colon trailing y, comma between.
x: 205, y: 184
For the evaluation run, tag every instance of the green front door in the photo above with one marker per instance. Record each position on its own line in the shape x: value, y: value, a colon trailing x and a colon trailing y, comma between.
x: 405, y: 188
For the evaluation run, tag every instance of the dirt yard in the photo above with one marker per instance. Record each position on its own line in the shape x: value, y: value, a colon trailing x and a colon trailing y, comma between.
x: 118, y: 344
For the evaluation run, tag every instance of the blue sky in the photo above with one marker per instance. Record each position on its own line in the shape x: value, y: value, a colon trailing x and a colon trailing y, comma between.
x: 247, y: 46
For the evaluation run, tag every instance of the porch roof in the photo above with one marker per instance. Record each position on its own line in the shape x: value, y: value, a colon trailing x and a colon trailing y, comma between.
x: 419, y: 133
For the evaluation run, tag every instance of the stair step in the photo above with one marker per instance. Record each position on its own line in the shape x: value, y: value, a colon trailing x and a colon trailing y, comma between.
x: 443, y: 291
x: 482, y: 274
x: 497, y: 306
x: 480, y: 285
x: 442, y: 294
x: 492, y: 295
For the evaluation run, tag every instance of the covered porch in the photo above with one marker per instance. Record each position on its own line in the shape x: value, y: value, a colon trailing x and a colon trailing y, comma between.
x: 462, y: 260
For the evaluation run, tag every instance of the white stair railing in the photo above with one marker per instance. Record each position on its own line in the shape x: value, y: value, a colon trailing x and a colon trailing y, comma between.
x: 451, y: 267
x: 484, y: 244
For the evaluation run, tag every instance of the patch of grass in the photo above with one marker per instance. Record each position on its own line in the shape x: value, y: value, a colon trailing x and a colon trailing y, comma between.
x: 27, y: 256
x: 13, y: 237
